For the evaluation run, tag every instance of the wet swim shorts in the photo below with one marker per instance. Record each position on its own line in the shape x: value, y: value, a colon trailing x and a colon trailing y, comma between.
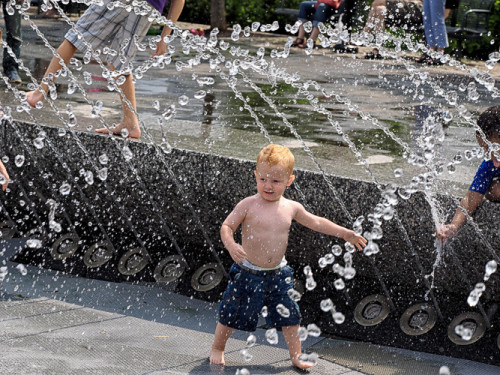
x: 249, y: 290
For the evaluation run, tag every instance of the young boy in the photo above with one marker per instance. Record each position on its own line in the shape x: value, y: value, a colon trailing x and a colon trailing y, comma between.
x: 485, y: 183
x: 120, y: 29
x: 260, y: 276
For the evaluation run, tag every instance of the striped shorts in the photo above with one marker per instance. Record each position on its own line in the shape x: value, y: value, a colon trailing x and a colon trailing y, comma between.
x: 120, y: 29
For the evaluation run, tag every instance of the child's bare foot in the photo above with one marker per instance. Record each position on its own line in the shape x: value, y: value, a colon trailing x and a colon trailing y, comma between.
x: 132, y: 130
x: 301, y: 364
x: 217, y: 357
x: 33, y: 97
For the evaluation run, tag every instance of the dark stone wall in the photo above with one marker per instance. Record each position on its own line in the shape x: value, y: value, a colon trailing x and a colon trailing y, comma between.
x: 172, y: 202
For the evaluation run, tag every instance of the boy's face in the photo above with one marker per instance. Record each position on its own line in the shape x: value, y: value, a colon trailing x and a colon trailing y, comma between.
x: 272, y: 181
x: 487, y: 149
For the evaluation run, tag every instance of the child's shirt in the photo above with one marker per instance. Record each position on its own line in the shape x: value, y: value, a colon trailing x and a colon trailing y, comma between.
x: 484, y: 177
x: 158, y: 4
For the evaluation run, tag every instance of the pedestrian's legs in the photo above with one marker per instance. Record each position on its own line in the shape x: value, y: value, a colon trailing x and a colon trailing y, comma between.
x: 65, y: 52
x: 13, y: 38
x: 129, y: 121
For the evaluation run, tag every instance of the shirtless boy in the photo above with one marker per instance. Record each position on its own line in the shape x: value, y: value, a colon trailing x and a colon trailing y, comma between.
x: 486, y: 183
x: 260, y: 277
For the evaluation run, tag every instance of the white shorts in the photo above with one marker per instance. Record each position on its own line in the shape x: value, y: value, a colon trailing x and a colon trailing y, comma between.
x: 120, y: 29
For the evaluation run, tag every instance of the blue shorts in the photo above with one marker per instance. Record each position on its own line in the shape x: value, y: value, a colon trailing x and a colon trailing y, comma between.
x: 248, y: 291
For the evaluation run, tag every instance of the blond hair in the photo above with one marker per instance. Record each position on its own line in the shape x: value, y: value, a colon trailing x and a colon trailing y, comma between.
x: 277, y: 155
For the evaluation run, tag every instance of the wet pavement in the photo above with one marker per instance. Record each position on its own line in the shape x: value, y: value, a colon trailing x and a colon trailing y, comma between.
x: 52, y: 323
x: 388, y: 90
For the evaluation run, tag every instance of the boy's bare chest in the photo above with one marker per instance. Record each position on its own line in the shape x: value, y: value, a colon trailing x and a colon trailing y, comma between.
x: 269, y: 219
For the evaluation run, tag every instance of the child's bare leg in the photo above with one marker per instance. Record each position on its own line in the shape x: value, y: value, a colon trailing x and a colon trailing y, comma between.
x: 222, y: 333
x: 294, y: 346
x: 493, y: 193
x: 66, y: 51
x: 129, y: 121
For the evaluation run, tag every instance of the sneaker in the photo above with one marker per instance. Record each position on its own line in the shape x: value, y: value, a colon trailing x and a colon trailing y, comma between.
x: 14, y: 77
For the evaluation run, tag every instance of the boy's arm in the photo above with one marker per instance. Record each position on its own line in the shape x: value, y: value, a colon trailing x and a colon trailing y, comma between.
x: 323, y: 225
x: 174, y: 12
x: 5, y: 174
x: 469, y: 203
x: 229, y: 226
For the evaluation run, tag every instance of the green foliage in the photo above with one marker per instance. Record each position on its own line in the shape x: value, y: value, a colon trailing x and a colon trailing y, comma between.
x: 480, y: 49
x: 238, y: 12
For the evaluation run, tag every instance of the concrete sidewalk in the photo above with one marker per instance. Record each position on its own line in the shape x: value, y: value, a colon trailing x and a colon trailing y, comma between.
x: 52, y: 323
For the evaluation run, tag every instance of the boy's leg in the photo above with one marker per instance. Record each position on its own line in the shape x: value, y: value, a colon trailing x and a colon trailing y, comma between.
x: 66, y: 51
x: 129, y: 121
x: 294, y: 346
x: 221, y: 336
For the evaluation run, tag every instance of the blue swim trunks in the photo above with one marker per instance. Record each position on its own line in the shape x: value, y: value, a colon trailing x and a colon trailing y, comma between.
x: 248, y: 291
x: 485, y: 175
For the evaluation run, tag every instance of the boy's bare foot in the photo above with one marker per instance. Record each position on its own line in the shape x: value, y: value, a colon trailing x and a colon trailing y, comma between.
x: 133, y: 130
x: 217, y: 357
x: 301, y: 364
x: 33, y: 97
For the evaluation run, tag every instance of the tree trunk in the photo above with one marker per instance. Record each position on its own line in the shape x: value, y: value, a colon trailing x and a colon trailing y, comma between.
x: 218, y: 15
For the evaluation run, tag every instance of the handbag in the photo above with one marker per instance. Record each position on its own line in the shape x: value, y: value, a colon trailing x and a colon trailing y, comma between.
x: 335, y: 4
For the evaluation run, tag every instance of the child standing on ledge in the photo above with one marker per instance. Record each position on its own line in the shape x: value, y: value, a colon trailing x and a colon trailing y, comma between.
x: 121, y: 26
x: 485, y: 183
x: 260, y: 277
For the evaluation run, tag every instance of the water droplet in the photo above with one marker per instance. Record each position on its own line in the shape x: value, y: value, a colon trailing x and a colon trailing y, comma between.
x: 311, y: 359
x: 103, y: 174
x: 103, y: 159
x: 337, y: 250
x: 491, y: 268
x: 349, y: 273
x: 330, y: 258
x: 310, y: 283
x: 263, y: 311
x: 242, y: 371
x: 127, y: 153
x: 282, y: 310
x: 169, y: 113
x: 38, y: 143
x: 89, y: 177
x: 302, y: 333
x: 313, y: 330
x: 349, y: 247
x: 371, y: 248
x: 338, y: 317
x: 398, y: 172
x: 124, y: 132
x: 294, y: 295
x: 200, y: 94
x: 33, y: 243
x: 272, y: 336
x: 339, y: 284
x: 65, y: 188
x: 22, y: 269
x: 444, y: 370
x: 19, y: 160
x: 247, y: 357
x: 183, y: 100
x: 322, y: 262
x: 156, y: 104
x: 326, y: 304
x: 251, y: 340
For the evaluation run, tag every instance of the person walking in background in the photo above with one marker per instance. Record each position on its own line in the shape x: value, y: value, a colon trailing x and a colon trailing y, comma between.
x: 435, y: 32
x: 121, y: 29
x: 12, y: 18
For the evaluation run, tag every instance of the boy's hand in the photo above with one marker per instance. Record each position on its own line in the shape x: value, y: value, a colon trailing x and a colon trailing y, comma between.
x: 358, y: 241
x: 237, y: 253
x: 446, y: 232
x: 3, y: 171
